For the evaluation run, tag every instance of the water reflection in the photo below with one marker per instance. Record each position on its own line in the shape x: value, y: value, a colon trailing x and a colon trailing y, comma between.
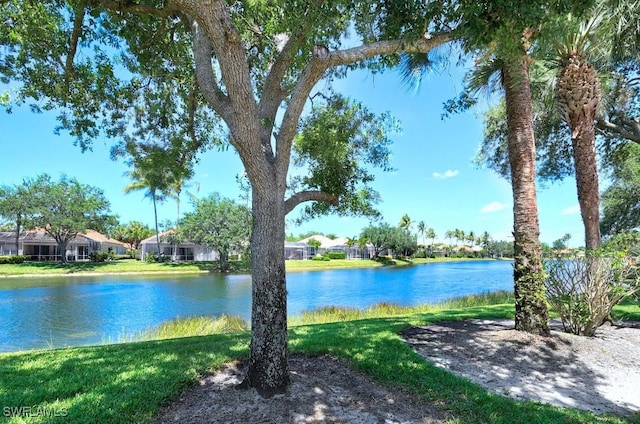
x: 66, y: 311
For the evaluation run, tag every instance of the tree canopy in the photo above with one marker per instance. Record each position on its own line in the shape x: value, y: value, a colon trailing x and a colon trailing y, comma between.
x: 219, y: 224
x: 16, y: 206
x: 155, y: 72
x: 132, y: 233
x: 66, y: 208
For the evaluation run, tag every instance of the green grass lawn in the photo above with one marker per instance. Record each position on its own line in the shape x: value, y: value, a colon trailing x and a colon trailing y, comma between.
x: 133, y: 266
x: 110, y: 267
x: 128, y: 382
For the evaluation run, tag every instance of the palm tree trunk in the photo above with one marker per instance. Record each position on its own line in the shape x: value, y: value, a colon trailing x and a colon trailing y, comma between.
x: 578, y: 94
x: 175, y: 245
x: 584, y: 156
x: 531, y: 308
x: 155, y: 216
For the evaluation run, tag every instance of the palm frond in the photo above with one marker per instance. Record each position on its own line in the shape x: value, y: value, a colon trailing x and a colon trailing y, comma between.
x: 414, y: 67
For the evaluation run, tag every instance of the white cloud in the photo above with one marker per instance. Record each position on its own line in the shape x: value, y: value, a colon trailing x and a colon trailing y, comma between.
x: 447, y: 174
x: 492, y: 207
x: 571, y: 210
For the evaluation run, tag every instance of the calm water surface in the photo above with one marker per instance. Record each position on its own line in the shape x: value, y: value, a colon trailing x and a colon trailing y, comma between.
x: 70, y: 311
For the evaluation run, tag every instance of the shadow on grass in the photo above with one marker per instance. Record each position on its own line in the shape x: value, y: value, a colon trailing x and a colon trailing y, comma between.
x: 374, y: 346
x: 114, y: 383
x: 69, y: 267
x: 129, y: 382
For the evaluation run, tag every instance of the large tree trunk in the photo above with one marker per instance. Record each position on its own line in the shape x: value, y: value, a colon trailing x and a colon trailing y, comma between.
x: 531, y: 306
x: 268, y: 369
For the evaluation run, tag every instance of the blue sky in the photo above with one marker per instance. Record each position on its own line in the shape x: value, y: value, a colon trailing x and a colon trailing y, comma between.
x: 435, y: 180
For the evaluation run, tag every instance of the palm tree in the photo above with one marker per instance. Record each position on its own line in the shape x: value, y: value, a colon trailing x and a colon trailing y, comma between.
x: 405, y: 223
x: 351, y: 241
x: 422, y: 228
x: 153, y: 180
x: 504, y: 35
x: 581, y: 60
x: 471, y: 238
x: 531, y: 308
x: 450, y: 235
x: 431, y: 233
x: 485, y: 240
x: 586, y: 51
x: 578, y: 95
x: 178, y: 183
x: 459, y: 235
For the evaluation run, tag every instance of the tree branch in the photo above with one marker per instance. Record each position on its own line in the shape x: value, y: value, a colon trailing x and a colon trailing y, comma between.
x: 308, y: 196
x: 216, y: 25
x: 608, y: 126
x: 125, y: 6
x: 193, y: 105
x: 73, y: 42
x: 204, y: 73
x: 316, y: 69
x: 273, y: 94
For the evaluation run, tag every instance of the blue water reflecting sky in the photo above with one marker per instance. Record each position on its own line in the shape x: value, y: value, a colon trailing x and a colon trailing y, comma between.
x: 68, y: 311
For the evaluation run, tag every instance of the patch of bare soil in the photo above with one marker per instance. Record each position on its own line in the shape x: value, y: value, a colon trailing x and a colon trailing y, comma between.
x: 322, y: 390
x: 599, y: 374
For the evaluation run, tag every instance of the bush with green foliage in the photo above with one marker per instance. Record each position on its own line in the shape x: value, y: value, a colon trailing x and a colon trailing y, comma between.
x: 335, y: 255
x: 13, y: 259
x: 320, y: 258
x: 583, y: 289
x: 101, y: 256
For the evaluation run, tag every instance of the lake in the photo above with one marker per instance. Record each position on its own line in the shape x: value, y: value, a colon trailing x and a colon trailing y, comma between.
x: 72, y: 311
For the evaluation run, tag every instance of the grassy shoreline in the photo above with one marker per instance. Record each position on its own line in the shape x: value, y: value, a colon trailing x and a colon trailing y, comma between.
x: 128, y: 382
x: 133, y: 267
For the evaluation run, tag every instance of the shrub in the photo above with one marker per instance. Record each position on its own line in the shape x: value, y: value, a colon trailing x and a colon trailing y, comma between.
x: 335, y: 255
x: 420, y: 253
x: 320, y: 258
x: 133, y: 254
x: 385, y: 260
x: 101, y: 256
x: 13, y: 259
x: 584, y: 289
x: 151, y: 257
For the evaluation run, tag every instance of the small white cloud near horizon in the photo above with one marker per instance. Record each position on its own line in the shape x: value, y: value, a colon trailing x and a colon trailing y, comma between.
x: 449, y: 173
x: 492, y: 207
x: 571, y: 210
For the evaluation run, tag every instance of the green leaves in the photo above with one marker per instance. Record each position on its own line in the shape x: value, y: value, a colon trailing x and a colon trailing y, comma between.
x: 132, y: 233
x: 385, y: 236
x: 219, y: 224
x: 339, y: 144
x: 621, y: 200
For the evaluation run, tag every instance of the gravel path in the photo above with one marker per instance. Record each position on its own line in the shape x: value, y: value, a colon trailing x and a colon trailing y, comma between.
x: 599, y: 374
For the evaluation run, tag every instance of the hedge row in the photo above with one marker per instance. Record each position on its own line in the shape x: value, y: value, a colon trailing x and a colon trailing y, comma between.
x: 13, y: 259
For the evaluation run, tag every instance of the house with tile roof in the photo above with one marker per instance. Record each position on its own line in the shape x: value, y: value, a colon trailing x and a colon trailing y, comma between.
x: 40, y: 246
x: 183, y: 251
x: 340, y: 245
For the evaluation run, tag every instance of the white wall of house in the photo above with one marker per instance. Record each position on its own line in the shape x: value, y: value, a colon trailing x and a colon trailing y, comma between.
x: 183, y: 251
